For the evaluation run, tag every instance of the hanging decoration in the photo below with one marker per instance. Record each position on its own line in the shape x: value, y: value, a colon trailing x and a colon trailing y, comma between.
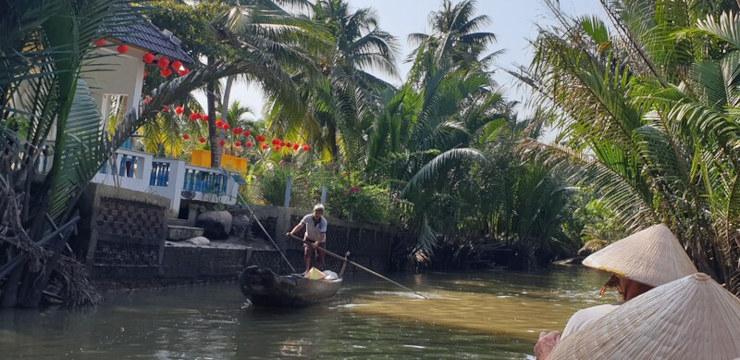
x: 202, y: 140
x: 148, y: 58
x: 100, y: 42
x: 306, y: 147
x: 179, y: 110
x: 194, y: 117
x: 249, y: 144
x: 163, y: 62
x: 296, y: 147
x: 166, y: 72
x: 186, y: 136
x: 122, y: 49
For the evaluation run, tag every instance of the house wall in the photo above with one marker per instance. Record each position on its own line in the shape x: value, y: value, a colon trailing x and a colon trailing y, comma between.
x: 119, y: 74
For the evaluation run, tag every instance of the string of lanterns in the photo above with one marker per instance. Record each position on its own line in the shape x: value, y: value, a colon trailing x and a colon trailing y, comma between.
x: 242, y: 138
x: 166, y: 67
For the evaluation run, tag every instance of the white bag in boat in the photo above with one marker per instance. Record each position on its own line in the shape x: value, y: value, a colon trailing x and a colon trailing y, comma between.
x: 330, y: 275
x: 315, y: 274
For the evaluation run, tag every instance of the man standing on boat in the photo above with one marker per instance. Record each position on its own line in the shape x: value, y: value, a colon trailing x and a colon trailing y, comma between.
x: 315, y: 236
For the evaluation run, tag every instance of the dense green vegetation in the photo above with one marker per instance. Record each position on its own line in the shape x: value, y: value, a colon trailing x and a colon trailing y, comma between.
x: 645, y: 107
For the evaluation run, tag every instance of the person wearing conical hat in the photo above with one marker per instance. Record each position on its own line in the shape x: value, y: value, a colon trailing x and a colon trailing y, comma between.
x: 690, y: 318
x: 638, y: 263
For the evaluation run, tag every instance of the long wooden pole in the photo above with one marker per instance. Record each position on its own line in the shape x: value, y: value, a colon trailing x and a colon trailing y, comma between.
x: 277, y: 247
x: 359, y: 266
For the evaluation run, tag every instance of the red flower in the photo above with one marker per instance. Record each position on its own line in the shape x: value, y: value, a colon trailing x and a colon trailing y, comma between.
x: 122, y: 49
x: 165, y: 72
x: 276, y: 142
x: 176, y: 65
x: 296, y: 146
x: 100, y: 42
x: 219, y: 123
x: 148, y: 58
x: 247, y: 133
x: 264, y: 146
x: 249, y: 144
x: 163, y: 62
x: 186, y: 136
x: 179, y: 110
x: 202, y: 140
x: 147, y: 100
x: 261, y: 138
x: 165, y: 108
x: 183, y: 71
x: 226, y: 126
x: 237, y: 130
x: 306, y: 147
x: 203, y: 117
x: 221, y: 143
x: 194, y: 116
x: 287, y: 144
x: 238, y: 143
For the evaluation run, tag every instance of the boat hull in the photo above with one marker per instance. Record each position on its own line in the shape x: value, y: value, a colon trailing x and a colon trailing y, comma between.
x: 265, y: 288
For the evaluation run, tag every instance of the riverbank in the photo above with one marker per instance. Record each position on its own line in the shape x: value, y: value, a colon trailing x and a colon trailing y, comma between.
x: 206, y: 321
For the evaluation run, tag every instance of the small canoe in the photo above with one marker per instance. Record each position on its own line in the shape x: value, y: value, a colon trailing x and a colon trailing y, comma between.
x: 265, y: 288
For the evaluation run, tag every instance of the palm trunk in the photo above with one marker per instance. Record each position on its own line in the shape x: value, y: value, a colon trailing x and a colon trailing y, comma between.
x: 213, y: 137
x: 226, y: 96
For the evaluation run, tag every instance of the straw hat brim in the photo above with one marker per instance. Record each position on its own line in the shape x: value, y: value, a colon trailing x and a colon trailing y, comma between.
x: 652, y: 256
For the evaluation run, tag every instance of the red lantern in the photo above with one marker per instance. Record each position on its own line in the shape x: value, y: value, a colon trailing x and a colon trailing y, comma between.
x: 306, y: 147
x: 247, y: 133
x: 261, y: 138
x: 183, y: 71
x: 296, y: 146
x: 100, y: 42
x: 249, y: 144
x: 176, y: 65
x: 165, y: 72
x: 186, y: 137
x: 163, y: 62
x: 179, y: 110
x: 219, y: 123
x: 237, y: 130
x: 202, y: 140
x: 194, y: 117
x: 238, y: 143
x: 148, y: 58
x: 122, y: 49
x: 221, y: 143
x: 276, y: 141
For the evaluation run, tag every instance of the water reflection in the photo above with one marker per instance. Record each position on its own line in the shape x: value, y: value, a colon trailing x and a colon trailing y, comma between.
x: 493, y: 315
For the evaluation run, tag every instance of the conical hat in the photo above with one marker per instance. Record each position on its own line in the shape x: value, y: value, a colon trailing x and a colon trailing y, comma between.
x: 652, y: 256
x: 690, y: 318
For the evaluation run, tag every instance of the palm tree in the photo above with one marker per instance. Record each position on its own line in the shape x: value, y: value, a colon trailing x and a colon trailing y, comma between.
x: 455, y: 41
x: 338, y: 105
x: 648, y: 120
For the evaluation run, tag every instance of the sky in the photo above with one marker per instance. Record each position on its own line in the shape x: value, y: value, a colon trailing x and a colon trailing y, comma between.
x: 514, y: 22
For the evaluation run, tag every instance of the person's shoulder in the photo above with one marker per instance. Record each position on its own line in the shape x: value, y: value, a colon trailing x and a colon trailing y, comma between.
x: 306, y: 218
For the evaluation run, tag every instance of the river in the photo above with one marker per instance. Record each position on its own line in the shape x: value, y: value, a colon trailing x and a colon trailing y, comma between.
x: 485, y: 315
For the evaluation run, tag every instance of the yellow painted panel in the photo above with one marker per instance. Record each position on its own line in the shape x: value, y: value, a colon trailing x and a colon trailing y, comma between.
x: 201, y: 158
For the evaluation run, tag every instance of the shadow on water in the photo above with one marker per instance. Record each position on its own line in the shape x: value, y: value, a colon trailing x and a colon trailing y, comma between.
x: 494, y: 315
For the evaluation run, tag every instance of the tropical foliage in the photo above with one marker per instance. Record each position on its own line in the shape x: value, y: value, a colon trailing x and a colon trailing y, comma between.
x: 648, y: 109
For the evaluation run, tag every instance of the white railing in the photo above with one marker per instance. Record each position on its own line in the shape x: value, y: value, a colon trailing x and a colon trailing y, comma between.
x: 173, y: 179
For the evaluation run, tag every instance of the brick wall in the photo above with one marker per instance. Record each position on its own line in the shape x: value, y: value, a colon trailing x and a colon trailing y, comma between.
x: 125, y: 232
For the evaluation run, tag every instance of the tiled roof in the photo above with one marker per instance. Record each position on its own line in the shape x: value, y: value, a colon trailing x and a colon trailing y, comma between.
x: 140, y: 32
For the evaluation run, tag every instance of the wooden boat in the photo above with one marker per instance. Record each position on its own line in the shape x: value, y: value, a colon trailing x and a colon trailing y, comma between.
x: 265, y: 288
